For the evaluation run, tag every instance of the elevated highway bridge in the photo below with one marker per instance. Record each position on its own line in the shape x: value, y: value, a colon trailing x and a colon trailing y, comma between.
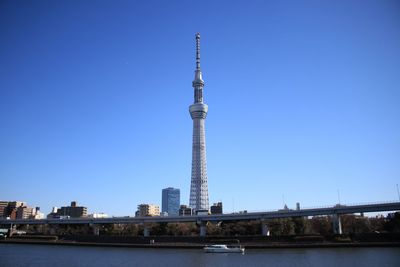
x: 201, y: 220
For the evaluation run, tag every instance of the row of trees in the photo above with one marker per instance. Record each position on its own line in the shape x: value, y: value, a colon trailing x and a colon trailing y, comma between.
x: 320, y: 225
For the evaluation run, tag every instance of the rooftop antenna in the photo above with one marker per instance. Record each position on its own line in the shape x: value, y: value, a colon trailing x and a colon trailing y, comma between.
x: 338, y: 195
x: 398, y: 193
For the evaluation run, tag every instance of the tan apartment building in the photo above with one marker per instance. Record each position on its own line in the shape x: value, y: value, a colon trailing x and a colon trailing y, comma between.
x: 148, y: 210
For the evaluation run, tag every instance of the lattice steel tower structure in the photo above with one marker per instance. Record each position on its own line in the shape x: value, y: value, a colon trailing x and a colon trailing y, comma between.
x: 198, y: 111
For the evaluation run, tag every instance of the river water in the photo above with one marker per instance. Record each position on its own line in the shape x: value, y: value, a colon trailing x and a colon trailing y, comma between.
x: 19, y: 255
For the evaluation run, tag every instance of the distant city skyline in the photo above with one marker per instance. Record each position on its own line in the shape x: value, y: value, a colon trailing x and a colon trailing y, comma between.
x: 305, y: 102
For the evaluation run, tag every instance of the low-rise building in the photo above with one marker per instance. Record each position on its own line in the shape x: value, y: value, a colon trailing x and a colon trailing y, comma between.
x: 216, y: 208
x: 18, y: 210
x: 98, y: 215
x: 37, y: 214
x: 24, y: 212
x: 53, y: 213
x: 185, y: 210
x: 73, y: 211
x: 144, y: 210
x: 3, y: 208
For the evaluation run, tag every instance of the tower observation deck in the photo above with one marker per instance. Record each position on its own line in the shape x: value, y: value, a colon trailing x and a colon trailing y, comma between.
x: 198, y: 111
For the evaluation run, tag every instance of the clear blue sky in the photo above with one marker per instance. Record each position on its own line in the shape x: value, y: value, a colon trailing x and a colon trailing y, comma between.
x: 304, y: 100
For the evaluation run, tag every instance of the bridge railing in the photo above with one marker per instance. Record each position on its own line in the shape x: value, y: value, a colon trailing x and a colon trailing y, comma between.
x: 322, y: 207
x: 371, y: 203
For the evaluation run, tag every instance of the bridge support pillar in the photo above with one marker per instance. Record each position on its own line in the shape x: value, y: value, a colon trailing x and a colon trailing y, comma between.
x: 11, y: 230
x: 336, y: 224
x: 264, y: 228
x: 146, y: 231
x: 96, y: 229
x: 52, y: 231
x: 43, y: 229
x: 203, y: 228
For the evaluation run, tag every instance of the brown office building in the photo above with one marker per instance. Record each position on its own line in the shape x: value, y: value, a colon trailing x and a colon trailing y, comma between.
x: 73, y: 211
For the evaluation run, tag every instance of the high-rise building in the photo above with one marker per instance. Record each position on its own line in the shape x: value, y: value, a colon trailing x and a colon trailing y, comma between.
x: 171, y: 200
x: 148, y: 210
x: 198, y: 111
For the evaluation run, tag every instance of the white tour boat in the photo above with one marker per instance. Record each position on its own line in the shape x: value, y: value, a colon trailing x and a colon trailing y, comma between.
x: 223, y: 249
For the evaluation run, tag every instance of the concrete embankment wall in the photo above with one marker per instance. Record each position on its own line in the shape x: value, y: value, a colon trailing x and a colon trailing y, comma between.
x: 371, y: 237
x: 359, y: 240
x: 256, y: 242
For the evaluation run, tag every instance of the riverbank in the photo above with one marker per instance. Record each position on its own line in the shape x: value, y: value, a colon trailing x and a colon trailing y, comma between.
x: 198, y: 243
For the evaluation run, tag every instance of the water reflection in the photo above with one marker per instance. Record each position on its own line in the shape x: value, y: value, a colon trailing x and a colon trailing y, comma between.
x: 12, y: 255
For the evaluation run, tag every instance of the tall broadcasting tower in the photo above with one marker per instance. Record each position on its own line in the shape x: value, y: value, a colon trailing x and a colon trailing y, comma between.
x: 198, y: 112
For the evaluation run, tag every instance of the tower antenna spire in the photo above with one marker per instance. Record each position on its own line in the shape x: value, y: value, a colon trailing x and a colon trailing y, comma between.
x: 197, y: 51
